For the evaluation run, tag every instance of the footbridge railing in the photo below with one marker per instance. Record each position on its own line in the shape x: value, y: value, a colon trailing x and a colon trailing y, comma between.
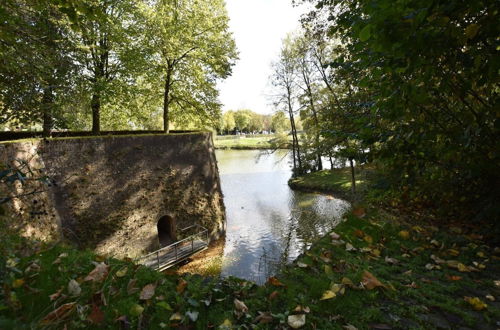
x: 172, y: 254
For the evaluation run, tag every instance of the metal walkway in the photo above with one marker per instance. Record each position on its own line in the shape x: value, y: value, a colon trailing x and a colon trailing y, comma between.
x: 172, y: 254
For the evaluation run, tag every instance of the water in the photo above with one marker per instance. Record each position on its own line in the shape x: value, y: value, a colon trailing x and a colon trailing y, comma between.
x: 268, y: 224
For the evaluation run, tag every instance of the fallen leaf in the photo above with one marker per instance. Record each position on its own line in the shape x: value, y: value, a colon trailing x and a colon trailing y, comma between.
x: 181, y: 286
x: 131, y: 288
x: 147, y: 292
x: 328, y: 270
x: 454, y: 278
x: 337, y: 242
x: 437, y: 259
x: 359, y: 212
x: 328, y: 294
x: 334, y: 235
x: 96, y: 316
x: 274, y: 281
x: 193, y: 315
x: 346, y: 281
x: 297, y: 321
x: 18, y: 283
x: 302, y: 265
x: 481, y: 254
x: 74, y: 288
x: 226, y: 324
x: 462, y: 268
x: 301, y: 309
x: 453, y: 252
x: 476, y: 303
x: 98, y: 274
x: 273, y: 295
x: 370, y: 282
x: 349, y: 327
x: 122, y: 272
x: 391, y: 261
x: 404, y: 234
x: 263, y: 318
x: 176, y: 317
x: 368, y: 239
x: 349, y: 247
x: 59, y: 314
x: 359, y: 233
x: 240, y: 306
x: 56, y: 295
x: 58, y: 259
x: 490, y: 297
x: 136, y: 310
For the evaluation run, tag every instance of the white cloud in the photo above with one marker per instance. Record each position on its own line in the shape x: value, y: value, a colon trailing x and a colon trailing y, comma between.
x: 258, y: 27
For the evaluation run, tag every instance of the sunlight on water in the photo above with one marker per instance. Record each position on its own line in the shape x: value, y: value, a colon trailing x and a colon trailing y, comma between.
x: 268, y: 224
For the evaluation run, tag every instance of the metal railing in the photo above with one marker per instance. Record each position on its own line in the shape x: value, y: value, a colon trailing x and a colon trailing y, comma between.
x: 171, y: 254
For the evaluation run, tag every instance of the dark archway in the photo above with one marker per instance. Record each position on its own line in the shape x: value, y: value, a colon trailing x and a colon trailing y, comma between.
x: 166, y: 230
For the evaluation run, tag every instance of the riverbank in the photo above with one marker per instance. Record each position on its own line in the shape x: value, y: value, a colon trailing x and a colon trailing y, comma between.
x: 337, y: 182
x: 249, y: 142
x: 375, y: 271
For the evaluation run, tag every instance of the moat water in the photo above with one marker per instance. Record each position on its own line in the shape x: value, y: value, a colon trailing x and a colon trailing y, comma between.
x: 268, y: 224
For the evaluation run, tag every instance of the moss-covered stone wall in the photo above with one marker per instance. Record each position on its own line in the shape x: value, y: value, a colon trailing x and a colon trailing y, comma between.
x: 108, y: 193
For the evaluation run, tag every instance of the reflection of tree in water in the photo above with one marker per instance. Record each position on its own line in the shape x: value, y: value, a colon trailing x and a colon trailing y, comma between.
x: 305, y: 224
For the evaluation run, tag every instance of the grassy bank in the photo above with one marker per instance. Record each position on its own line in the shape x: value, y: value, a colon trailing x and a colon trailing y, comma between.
x: 373, y: 272
x: 378, y: 270
x: 337, y: 181
x: 243, y: 142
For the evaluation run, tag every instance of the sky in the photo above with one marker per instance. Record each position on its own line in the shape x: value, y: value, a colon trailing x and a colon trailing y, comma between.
x: 258, y: 27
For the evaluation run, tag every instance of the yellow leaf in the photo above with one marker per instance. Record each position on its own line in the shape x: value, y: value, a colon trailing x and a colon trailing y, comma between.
x: 453, y: 252
x: 368, y: 239
x: 18, y: 283
x: 122, y: 272
x: 176, y: 317
x: 335, y: 288
x: 404, y: 234
x: 347, y: 281
x: 328, y: 294
x: 462, y: 268
x: 476, y: 303
x: 471, y: 31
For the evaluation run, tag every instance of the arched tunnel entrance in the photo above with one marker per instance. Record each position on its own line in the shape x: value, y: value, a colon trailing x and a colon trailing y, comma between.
x: 166, y: 230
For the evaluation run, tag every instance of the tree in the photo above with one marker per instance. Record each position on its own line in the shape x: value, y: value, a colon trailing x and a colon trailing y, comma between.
x: 191, y: 49
x: 421, y: 90
x: 229, y: 122
x: 106, y: 42
x: 36, y: 69
x: 284, y: 80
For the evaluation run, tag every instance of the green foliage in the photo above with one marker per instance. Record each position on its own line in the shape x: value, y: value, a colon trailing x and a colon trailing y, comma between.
x: 415, y: 84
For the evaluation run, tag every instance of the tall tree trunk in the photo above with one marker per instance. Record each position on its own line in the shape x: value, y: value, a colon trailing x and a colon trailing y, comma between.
x: 297, y: 164
x: 316, y: 121
x: 95, y: 104
x: 166, y: 100
x: 353, y: 180
x: 47, y: 106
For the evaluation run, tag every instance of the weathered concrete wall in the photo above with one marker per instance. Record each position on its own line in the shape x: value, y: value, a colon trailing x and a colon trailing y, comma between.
x: 108, y: 193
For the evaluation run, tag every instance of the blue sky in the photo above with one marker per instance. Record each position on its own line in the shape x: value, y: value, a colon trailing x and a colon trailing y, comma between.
x: 258, y: 27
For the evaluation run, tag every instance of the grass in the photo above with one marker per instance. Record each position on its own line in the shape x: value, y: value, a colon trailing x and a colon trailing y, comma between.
x: 409, y: 295
x: 243, y: 142
x: 337, y: 181
x: 379, y: 269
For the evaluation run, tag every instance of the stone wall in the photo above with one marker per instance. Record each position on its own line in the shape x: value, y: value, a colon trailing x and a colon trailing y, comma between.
x: 108, y: 193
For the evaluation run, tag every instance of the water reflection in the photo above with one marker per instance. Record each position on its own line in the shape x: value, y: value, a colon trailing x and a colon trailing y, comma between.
x: 268, y: 224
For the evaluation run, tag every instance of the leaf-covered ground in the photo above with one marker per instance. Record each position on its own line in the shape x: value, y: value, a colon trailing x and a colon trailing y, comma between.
x: 372, y: 272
